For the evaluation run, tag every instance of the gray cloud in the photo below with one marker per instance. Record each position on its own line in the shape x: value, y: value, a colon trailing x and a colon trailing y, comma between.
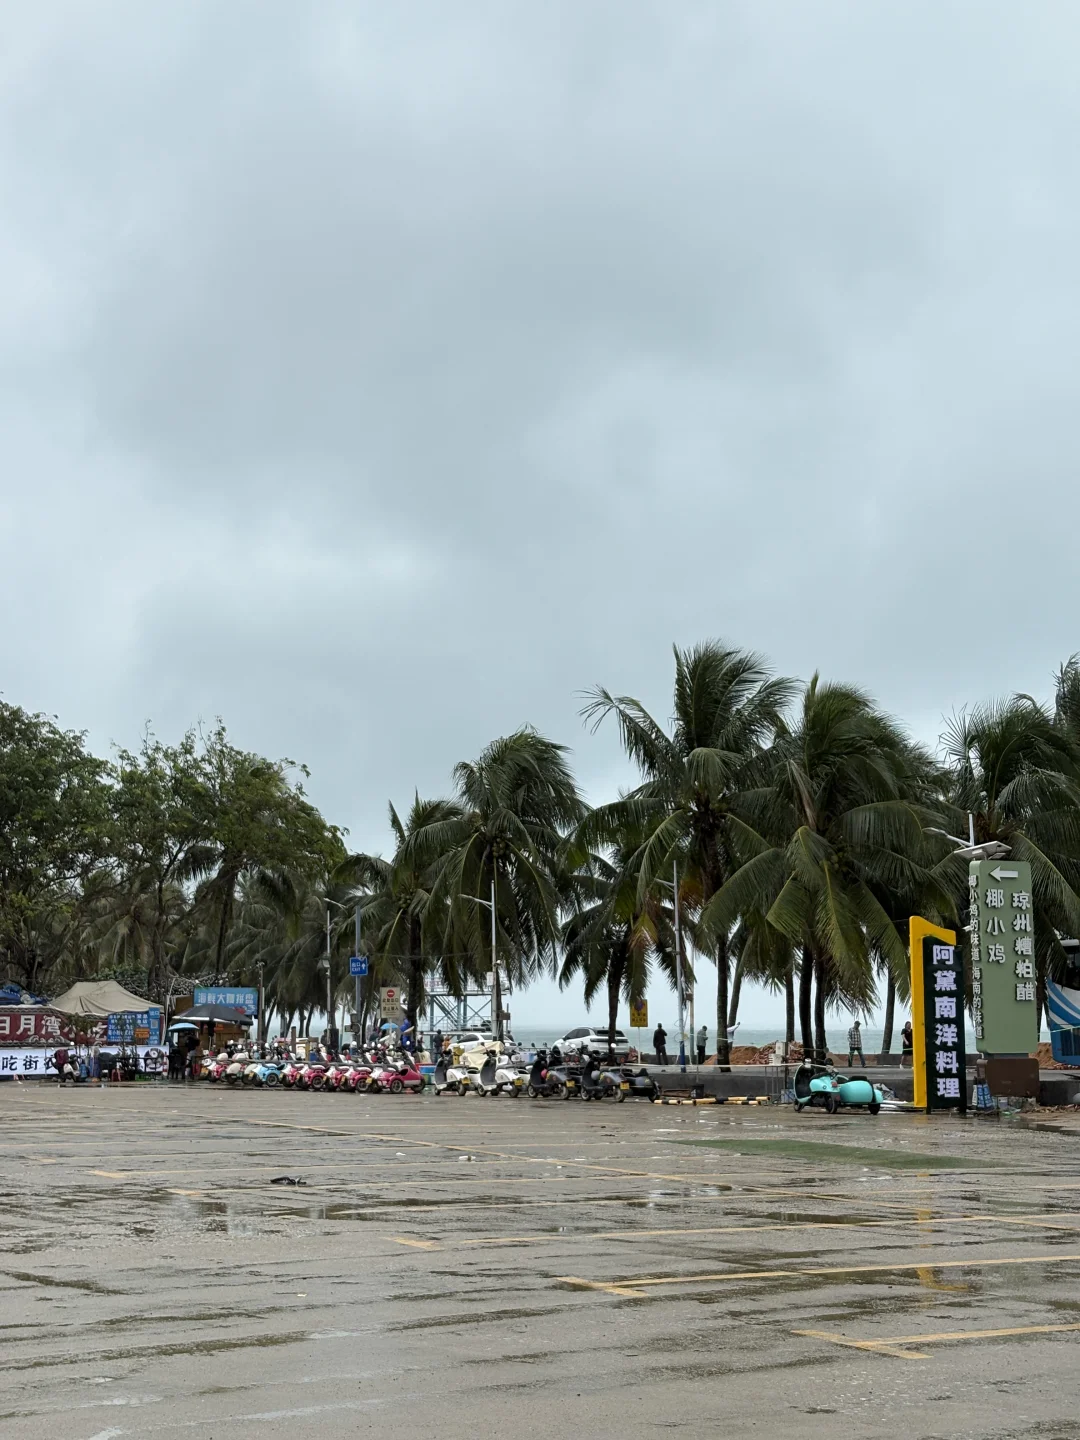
x: 381, y: 377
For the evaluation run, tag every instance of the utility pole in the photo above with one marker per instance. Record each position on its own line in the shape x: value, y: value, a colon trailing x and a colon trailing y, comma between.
x: 495, y: 965
x: 679, y: 971
x: 329, y: 1002
x: 358, y: 951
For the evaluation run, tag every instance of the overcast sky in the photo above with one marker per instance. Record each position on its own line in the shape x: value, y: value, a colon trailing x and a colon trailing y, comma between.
x: 380, y: 376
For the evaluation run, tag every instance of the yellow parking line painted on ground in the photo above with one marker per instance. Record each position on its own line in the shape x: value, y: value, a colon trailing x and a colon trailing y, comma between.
x: 742, y: 1229
x: 112, y: 1174
x: 416, y: 1244
x: 880, y: 1347
x: 634, y: 1285
x: 888, y: 1345
x: 485, y: 1240
x: 577, y: 1282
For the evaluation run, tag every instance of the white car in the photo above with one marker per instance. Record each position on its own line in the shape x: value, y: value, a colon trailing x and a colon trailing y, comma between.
x: 586, y: 1037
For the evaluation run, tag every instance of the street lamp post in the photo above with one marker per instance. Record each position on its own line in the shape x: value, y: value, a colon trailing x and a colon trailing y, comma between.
x: 497, y: 988
x: 329, y: 989
x: 680, y: 989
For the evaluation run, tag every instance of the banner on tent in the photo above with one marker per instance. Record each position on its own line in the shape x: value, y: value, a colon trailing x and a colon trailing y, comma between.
x: 31, y: 1064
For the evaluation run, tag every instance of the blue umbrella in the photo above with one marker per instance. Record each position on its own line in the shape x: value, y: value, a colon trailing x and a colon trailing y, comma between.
x: 183, y: 1025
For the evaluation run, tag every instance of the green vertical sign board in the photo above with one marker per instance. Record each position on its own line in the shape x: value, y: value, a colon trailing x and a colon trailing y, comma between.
x: 1003, y: 1006
x: 943, y: 1023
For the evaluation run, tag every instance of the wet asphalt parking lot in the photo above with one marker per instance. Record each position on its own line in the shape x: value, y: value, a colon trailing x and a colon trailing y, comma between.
x: 474, y: 1267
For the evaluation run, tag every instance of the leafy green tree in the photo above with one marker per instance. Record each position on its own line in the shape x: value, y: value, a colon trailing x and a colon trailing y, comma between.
x: 161, y: 833
x: 54, y: 834
x: 257, y: 818
x: 726, y: 709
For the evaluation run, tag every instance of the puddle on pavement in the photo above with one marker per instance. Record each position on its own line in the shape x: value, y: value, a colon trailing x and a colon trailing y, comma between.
x: 93, y: 1287
x: 146, y: 1352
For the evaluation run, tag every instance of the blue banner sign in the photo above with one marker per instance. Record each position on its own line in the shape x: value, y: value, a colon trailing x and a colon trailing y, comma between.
x: 129, y: 1027
x: 242, y: 998
x: 358, y: 964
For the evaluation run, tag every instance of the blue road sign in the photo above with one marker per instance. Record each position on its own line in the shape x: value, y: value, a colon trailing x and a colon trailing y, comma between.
x: 358, y: 964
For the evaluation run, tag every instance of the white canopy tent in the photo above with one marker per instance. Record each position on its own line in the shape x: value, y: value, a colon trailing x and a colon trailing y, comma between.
x: 99, y: 997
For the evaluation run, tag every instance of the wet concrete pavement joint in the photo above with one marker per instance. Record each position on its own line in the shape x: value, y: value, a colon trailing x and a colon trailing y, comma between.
x: 155, y: 1282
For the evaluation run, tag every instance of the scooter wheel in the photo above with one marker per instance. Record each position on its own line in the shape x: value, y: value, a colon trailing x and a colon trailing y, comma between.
x: 873, y: 1107
x: 272, y: 1080
x: 480, y: 1090
x: 620, y: 1096
x: 831, y: 1105
x: 585, y: 1095
x: 799, y: 1107
x: 534, y: 1094
x: 396, y: 1087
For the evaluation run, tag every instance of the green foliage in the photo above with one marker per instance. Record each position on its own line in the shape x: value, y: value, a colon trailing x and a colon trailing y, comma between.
x: 54, y: 832
x: 804, y: 825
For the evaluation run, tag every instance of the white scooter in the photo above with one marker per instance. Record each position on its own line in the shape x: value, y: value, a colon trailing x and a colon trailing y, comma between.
x: 499, y: 1073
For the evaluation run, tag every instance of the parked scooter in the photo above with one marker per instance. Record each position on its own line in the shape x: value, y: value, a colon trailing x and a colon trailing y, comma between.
x: 312, y: 1076
x: 215, y: 1068
x: 268, y: 1074
x: 545, y: 1083
x: 822, y: 1085
x: 598, y: 1083
x: 499, y: 1073
x: 568, y: 1071
x: 640, y: 1084
x: 397, y: 1076
x: 235, y: 1069
x: 440, y: 1076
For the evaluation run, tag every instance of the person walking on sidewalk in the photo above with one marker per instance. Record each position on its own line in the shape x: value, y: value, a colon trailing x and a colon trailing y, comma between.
x: 702, y: 1044
x: 854, y: 1045
x: 659, y: 1043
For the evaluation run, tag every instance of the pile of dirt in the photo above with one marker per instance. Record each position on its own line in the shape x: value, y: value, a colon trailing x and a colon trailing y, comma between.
x: 1045, y: 1057
x: 760, y: 1054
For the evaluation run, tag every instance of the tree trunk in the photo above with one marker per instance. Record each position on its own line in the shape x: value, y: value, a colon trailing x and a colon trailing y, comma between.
x: 223, y: 926
x: 806, y: 976
x: 789, y: 1005
x: 821, y: 1044
x: 159, y: 935
x: 723, y: 1049
x: 736, y: 991
x: 614, y: 989
x: 890, y: 1015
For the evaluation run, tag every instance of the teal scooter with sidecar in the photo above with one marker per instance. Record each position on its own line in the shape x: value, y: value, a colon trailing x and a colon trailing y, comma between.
x: 822, y: 1085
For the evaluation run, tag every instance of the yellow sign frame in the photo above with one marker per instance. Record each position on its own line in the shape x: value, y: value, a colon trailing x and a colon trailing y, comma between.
x: 918, y: 931
x: 639, y: 1016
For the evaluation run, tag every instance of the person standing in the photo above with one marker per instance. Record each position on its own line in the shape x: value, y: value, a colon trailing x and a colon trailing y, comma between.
x: 659, y: 1041
x: 854, y: 1045
x: 702, y: 1044
x: 907, y: 1043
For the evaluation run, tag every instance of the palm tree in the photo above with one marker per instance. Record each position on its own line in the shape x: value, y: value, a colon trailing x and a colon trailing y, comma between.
x: 832, y: 834
x: 1015, y: 770
x: 396, y: 895
x: 612, y: 935
x: 501, y: 848
x: 726, y: 709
